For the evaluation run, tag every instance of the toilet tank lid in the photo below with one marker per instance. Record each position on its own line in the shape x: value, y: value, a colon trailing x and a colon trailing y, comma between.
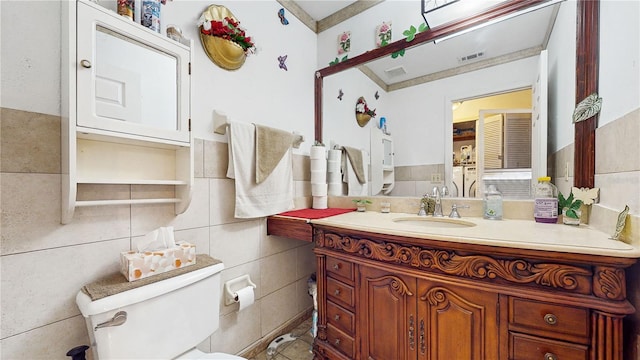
x: 90, y: 307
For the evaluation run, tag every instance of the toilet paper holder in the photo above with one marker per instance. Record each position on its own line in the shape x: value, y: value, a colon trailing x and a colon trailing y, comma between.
x: 233, y: 285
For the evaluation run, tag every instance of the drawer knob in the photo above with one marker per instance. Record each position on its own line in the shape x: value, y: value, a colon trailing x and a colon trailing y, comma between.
x: 85, y: 64
x: 551, y: 320
x: 550, y: 356
x: 337, y: 317
x: 336, y: 266
x: 337, y: 342
x: 337, y: 292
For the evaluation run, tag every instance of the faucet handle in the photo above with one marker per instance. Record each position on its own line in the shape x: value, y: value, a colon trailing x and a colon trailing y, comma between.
x: 454, y: 210
x: 444, y: 191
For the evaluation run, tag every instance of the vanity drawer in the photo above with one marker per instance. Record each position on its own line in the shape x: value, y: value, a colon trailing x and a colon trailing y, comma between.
x: 340, y: 268
x: 565, y: 322
x: 340, y: 317
x: 340, y: 341
x: 340, y: 292
x: 526, y: 347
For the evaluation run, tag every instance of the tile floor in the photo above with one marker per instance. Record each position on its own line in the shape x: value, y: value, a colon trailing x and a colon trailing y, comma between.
x: 298, y: 349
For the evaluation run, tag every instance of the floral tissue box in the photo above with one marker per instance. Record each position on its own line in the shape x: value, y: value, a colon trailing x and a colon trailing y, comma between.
x: 139, y: 265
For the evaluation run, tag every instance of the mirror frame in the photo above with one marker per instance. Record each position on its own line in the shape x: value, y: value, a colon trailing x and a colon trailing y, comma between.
x: 587, y: 57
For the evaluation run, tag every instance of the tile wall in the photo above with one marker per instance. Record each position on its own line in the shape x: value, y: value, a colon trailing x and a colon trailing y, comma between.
x: 44, y: 263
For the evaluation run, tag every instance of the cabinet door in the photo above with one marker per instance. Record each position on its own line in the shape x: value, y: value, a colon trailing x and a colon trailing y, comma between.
x: 456, y: 323
x: 130, y: 81
x: 387, y: 317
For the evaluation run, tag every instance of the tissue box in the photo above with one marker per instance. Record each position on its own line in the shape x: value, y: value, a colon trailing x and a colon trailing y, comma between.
x: 139, y: 265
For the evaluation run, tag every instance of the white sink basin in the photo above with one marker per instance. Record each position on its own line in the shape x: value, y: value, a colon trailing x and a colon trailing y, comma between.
x: 434, y: 222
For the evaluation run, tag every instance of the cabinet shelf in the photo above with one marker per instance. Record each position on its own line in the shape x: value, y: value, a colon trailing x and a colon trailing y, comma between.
x: 131, y: 182
x: 84, y: 203
x: 464, y: 137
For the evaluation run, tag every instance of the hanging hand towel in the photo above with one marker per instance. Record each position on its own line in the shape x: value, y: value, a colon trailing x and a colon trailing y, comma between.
x: 355, y: 158
x: 271, y: 196
x: 271, y: 145
x: 354, y: 187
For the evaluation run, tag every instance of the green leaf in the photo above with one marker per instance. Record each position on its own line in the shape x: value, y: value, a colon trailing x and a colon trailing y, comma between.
x: 423, y: 27
x: 571, y: 213
x: 345, y: 58
x: 576, y: 205
x: 410, y: 34
x: 334, y: 62
x: 395, y: 55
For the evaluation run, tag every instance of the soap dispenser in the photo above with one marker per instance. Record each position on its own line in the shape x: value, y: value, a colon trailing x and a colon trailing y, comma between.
x: 492, y: 204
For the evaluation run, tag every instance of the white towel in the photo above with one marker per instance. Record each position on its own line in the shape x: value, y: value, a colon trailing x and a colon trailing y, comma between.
x: 354, y: 187
x: 273, y: 195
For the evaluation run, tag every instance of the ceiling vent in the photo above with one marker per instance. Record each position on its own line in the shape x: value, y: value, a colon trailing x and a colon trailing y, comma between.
x: 471, y: 57
x: 396, y: 71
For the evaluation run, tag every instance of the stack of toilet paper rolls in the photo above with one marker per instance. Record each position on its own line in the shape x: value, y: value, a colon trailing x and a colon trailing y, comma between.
x: 334, y: 177
x: 318, y: 157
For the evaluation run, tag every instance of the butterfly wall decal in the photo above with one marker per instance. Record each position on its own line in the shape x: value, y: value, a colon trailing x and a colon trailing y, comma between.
x: 281, y: 60
x: 588, y: 196
x: 340, y: 94
x: 283, y: 19
x: 376, y: 95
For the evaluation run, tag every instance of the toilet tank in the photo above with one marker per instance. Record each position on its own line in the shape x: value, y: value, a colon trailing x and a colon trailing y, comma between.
x: 164, y: 319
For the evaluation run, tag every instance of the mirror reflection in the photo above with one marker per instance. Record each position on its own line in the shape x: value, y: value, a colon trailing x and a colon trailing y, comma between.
x: 135, y: 82
x: 434, y: 120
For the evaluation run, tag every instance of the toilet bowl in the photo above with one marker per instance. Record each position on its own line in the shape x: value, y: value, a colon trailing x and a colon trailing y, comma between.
x: 165, y: 319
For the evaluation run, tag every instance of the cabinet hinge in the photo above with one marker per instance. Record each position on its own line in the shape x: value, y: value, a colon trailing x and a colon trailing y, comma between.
x: 189, y: 124
x: 189, y: 68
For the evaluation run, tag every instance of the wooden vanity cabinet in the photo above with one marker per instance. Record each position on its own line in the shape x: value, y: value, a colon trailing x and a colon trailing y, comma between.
x: 385, y: 297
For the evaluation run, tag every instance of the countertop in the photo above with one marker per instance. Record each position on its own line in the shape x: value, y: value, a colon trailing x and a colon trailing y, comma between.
x: 524, y: 234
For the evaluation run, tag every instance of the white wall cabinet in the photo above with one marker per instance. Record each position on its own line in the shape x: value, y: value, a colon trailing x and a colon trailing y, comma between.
x: 126, y: 108
x: 382, y: 168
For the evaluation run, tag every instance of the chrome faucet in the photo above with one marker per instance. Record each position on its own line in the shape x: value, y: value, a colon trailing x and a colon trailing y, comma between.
x: 435, y: 193
x: 424, y: 203
x: 454, y: 210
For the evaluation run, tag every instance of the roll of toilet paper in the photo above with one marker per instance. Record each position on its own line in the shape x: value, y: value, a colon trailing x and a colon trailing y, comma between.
x: 334, y: 155
x: 246, y: 297
x: 319, y: 189
x: 333, y: 165
x: 318, y: 152
x: 319, y: 202
x: 318, y: 176
x: 335, y: 188
x: 318, y: 165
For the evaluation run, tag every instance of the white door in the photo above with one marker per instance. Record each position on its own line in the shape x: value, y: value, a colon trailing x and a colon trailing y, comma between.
x: 539, y: 121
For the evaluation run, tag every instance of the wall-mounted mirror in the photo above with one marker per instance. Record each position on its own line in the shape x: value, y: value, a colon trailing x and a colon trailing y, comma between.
x: 495, y: 59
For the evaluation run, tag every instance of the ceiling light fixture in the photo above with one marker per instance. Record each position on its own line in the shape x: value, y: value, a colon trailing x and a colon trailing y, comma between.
x: 497, y: 20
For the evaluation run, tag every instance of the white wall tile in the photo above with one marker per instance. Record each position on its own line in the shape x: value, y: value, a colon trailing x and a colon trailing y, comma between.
x: 306, y: 261
x: 237, y: 330
x: 222, y: 201
x: 31, y: 216
x: 278, y: 270
x: 619, y: 189
x: 276, y: 244
x: 32, y: 285
x: 236, y: 243
x: 278, y: 307
x: 48, y: 342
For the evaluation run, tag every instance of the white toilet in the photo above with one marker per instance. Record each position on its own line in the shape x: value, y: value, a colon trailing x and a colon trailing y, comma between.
x: 163, y: 320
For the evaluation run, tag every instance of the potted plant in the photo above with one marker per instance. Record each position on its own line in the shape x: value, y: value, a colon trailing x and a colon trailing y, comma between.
x: 361, y: 204
x: 570, y: 209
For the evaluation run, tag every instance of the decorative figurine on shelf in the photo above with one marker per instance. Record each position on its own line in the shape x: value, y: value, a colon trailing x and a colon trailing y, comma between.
x: 224, y: 41
x: 363, y: 113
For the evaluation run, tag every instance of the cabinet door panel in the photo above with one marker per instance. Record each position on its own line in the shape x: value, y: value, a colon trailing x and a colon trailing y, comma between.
x: 459, y: 323
x: 387, y: 305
